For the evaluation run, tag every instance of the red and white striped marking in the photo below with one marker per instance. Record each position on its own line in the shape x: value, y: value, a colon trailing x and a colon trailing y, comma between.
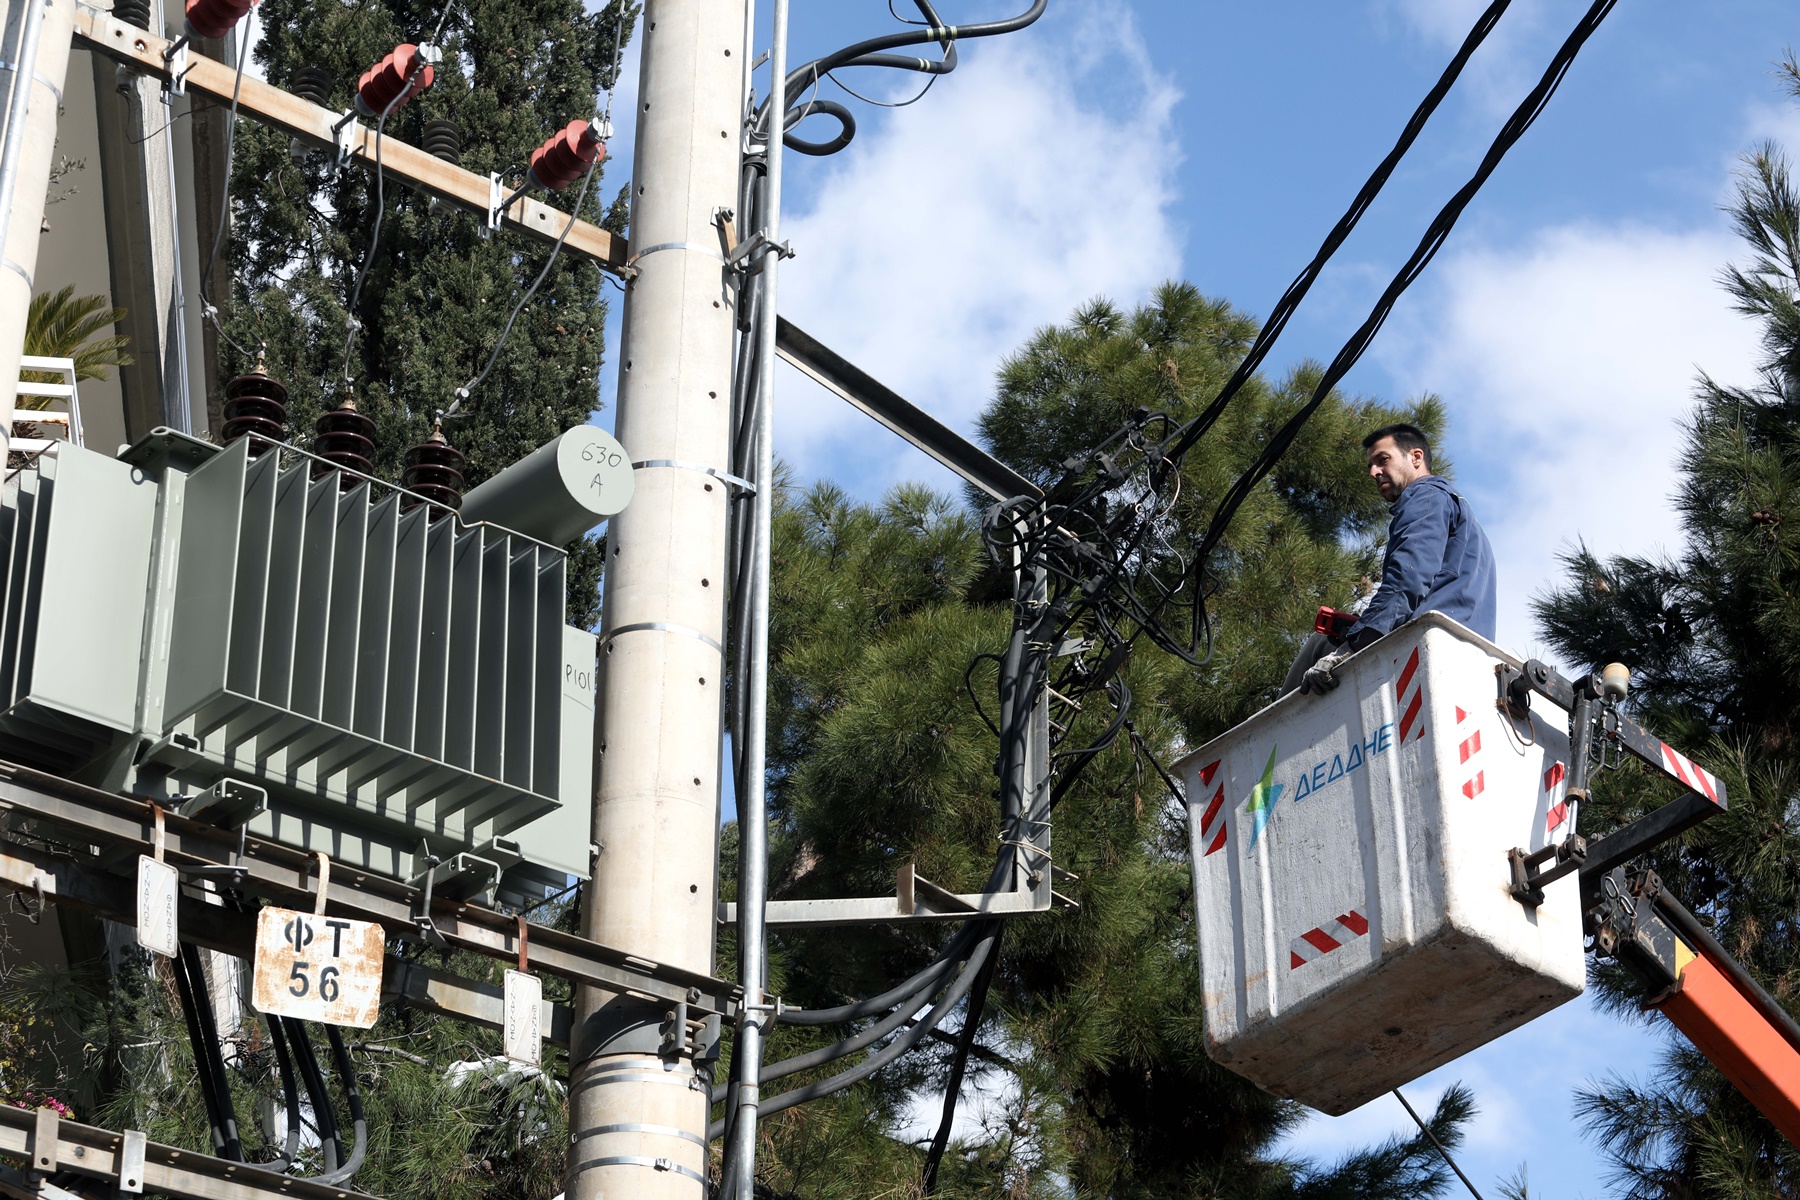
x: 1685, y: 770
x: 1470, y: 748
x: 1409, y: 695
x: 1215, y: 812
x: 1559, y: 812
x: 1316, y: 943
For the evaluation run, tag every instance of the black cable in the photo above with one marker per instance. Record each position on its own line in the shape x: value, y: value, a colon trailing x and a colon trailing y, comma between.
x: 324, y: 1116
x: 1426, y: 1130
x: 203, y: 1074
x: 1523, y: 117
x: 1296, y: 291
x: 215, y: 1063
x: 346, y: 1071
x: 965, y: 1040
x: 351, y: 321
x: 290, y: 1091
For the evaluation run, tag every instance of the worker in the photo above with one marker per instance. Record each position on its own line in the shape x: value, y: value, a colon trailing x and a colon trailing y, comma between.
x: 1438, y: 559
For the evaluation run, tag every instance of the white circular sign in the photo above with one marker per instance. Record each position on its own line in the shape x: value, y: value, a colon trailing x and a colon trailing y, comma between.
x: 595, y: 469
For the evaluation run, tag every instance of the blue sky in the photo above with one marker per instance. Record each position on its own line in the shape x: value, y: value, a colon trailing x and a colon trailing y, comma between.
x: 1115, y: 145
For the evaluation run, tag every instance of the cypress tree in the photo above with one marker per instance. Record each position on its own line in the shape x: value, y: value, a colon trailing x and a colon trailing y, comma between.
x: 1712, y: 634
x: 880, y: 757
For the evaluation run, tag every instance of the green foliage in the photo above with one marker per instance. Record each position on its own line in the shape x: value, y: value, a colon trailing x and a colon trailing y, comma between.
x: 64, y: 325
x: 437, y: 293
x: 1713, y: 637
x: 879, y: 757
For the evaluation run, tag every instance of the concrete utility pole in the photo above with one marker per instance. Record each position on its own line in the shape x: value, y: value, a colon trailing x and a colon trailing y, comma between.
x: 38, y: 34
x: 638, y: 1111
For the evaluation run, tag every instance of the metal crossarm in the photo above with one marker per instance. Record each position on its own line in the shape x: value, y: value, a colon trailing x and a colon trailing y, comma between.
x: 122, y: 827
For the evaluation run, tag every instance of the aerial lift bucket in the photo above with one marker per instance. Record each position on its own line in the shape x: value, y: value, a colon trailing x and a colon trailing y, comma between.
x: 1351, y: 877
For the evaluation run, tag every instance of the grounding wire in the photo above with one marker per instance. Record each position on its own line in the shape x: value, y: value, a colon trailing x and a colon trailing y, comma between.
x: 1521, y: 120
x: 351, y: 323
x: 207, y: 308
x: 463, y: 392
x: 1296, y: 291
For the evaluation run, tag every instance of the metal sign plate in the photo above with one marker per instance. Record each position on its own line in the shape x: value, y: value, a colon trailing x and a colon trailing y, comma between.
x: 158, y: 884
x: 317, y: 968
x: 524, y: 1030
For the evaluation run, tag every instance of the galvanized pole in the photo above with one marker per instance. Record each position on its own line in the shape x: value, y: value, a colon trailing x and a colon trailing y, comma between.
x: 638, y: 1108
x: 752, y: 809
x: 40, y: 64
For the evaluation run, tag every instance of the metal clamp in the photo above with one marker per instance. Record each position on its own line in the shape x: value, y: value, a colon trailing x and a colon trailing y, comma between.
x: 737, y: 481
x: 343, y: 134
x: 177, y: 59
x: 752, y: 253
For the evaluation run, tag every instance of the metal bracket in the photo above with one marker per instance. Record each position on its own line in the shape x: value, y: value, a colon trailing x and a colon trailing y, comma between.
x: 343, y: 136
x: 750, y: 254
x: 497, y: 201
x: 1527, y: 886
x: 173, y: 752
x: 131, y: 1161
x: 177, y: 58
x: 463, y: 878
x: 230, y: 804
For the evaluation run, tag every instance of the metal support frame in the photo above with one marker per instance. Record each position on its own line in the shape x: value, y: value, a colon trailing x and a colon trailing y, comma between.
x: 1597, y: 730
x: 133, y: 1164
x: 48, y: 807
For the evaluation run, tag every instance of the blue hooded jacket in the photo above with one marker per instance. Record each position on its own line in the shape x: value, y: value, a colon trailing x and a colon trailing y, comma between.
x: 1438, y: 560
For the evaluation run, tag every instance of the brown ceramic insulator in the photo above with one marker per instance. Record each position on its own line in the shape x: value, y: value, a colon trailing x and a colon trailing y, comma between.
x: 346, y: 438
x: 255, y: 403
x: 434, y: 471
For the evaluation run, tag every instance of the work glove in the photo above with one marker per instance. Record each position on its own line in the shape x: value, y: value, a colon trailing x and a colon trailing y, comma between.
x: 1319, y: 677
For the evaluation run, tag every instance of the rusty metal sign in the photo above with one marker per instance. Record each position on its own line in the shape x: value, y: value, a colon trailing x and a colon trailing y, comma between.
x: 317, y: 968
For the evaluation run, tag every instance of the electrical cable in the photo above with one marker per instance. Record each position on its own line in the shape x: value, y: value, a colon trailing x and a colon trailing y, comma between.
x: 324, y: 1116
x: 1365, y: 197
x: 463, y: 392
x: 351, y: 323
x: 1426, y: 1130
x: 346, y: 1071
x: 965, y: 1041
x: 871, y: 53
x: 1521, y: 120
x: 894, y: 1049
x: 290, y: 1091
x: 223, y: 1135
x: 207, y: 308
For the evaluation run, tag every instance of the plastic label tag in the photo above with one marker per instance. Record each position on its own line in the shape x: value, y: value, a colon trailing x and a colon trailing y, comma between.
x: 524, y: 1028
x: 158, y: 885
x: 317, y: 968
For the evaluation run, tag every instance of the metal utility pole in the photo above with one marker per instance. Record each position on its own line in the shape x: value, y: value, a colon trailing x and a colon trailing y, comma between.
x: 638, y: 1109
x: 38, y: 37
x: 753, y: 847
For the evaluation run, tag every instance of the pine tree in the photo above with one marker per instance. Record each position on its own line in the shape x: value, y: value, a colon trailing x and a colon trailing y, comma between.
x: 879, y: 757
x: 1713, y: 637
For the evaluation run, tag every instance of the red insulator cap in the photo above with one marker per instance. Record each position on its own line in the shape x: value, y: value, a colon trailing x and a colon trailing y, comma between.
x: 384, y: 81
x: 561, y: 160
x: 214, y: 18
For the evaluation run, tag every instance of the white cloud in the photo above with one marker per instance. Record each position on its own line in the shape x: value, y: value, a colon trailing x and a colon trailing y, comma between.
x: 1567, y: 365
x: 1039, y: 174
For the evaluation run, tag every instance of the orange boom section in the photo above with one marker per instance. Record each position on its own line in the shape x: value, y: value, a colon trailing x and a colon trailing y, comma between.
x: 1747, y: 1048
